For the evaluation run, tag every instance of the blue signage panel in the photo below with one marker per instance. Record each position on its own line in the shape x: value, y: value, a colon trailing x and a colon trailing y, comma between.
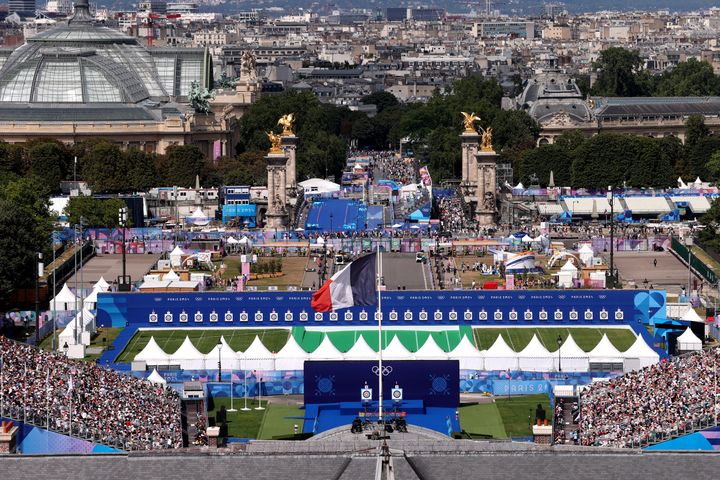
x: 486, y: 308
x: 435, y: 382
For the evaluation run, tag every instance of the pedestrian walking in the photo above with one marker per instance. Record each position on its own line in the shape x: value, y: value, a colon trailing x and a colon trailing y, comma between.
x: 655, y: 262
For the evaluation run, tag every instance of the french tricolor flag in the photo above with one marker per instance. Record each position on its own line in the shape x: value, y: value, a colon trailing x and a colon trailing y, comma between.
x: 353, y: 285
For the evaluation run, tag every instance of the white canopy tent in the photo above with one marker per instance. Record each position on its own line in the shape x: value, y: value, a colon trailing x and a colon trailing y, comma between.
x: 500, y: 356
x: 228, y: 357
x: 188, y: 356
x: 65, y: 300
x: 586, y: 254
x: 152, y: 354
x: 90, y: 301
x: 291, y: 356
x: 691, y: 315
x: 688, y: 341
x: 102, y: 285
x: 326, y: 351
x: 198, y: 218
x: 640, y: 354
x: 567, y: 275
x: 430, y: 351
x: 395, y: 350
x: 361, y: 351
x: 176, y: 256
x: 156, y: 378
x: 257, y: 357
x: 535, y: 357
x: 171, y: 276
x: 469, y: 356
x: 573, y: 358
x: 605, y: 352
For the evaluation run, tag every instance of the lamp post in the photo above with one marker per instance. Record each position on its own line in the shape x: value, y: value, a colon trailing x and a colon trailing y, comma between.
x: 559, y: 343
x: 38, y: 274
x: 611, y: 201
x: 219, y: 345
x: 688, y: 240
x: 124, y: 284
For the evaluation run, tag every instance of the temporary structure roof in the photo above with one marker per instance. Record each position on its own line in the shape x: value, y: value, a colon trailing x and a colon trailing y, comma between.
x: 257, y: 357
x: 152, y: 354
x: 500, y: 356
x: 64, y: 300
x: 605, y: 352
x: 572, y: 357
x: 535, y: 357
x: 229, y: 359
x: 91, y: 299
x: 568, y: 267
x: 691, y: 316
x: 395, y: 350
x: 361, y: 350
x: 188, y: 357
x: 642, y: 351
x: 430, y: 351
x: 148, y: 284
x: 155, y: 377
x: 688, y: 341
x: 326, y: 351
x: 171, y: 275
x: 469, y: 356
x: 102, y: 285
x: 291, y: 356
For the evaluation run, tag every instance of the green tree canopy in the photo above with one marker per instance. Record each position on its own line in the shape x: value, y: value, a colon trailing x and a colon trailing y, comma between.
x: 95, y: 212
x: 182, y: 164
x: 382, y: 100
x: 619, y: 74
x: 691, y: 78
x: 48, y: 160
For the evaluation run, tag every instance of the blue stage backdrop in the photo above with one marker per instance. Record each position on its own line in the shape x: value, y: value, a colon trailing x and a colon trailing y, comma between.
x: 435, y: 382
x: 511, y: 307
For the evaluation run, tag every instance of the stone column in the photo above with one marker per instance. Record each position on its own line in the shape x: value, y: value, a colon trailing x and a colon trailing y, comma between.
x: 276, y: 214
x: 469, y: 142
x: 486, y: 189
x: 289, y: 146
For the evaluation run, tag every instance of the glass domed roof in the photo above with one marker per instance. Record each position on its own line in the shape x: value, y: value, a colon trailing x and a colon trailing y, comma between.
x: 80, y: 62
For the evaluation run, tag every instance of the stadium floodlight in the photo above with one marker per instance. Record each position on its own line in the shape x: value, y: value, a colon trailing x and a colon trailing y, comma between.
x: 559, y: 343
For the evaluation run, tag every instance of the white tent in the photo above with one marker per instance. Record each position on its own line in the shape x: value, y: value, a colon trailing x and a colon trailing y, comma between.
x: 500, y: 356
x: 188, y: 357
x: 688, y: 341
x: 469, y: 356
x: 155, y: 377
x: 257, y: 357
x: 228, y: 358
x: 681, y: 184
x: 102, y: 285
x: 568, y: 273
x: 526, y: 238
x: 535, y: 357
x: 171, y: 276
x: 572, y: 357
x: 231, y: 240
x: 291, y: 356
x: 64, y: 300
x: 176, y: 256
x: 67, y: 336
x: 430, y: 351
x: 519, y: 186
x: 361, y: 351
x: 198, y: 217
x: 586, y: 254
x: 605, y: 352
x: 326, y: 351
x: 90, y: 301
x: 152, y: 354
x: 395, y: 350
x: 691, y: 315
x: 641, y: 354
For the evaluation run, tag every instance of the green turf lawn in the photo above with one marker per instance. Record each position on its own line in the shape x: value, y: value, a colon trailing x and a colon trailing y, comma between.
x: 586, y: 338
x: 107, y: 334
x: 240, y: 424
x: 276, y: 421
x: 515, y: 411
x: 204, y: 340
x: 482, y: 419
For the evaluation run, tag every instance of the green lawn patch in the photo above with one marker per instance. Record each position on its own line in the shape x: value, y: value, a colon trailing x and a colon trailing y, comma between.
x: 586, y: 337
x: 240, y: 424
x: 204, y: 340
x: 482, y: 419
x: 276, y: 421
x: 518, y: 413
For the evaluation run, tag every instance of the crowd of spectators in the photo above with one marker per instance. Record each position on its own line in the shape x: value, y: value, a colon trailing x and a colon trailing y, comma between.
x: 452, y: 213
x: 386, y: 165
x: 86, y: 401
x: 653, y: 403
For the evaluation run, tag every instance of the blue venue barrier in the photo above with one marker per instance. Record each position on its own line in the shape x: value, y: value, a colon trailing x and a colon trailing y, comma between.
x: 243, y: 213
x: 337, y: 215
x: 635, y: 308
x: 32, y: 440
x: 705, y: 440
x: 375, y: 217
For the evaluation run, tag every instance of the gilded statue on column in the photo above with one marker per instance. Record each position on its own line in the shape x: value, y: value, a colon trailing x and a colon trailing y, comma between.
x: 275, y: 140
x: 287, y: 123
x: 468, y: 120
x: 486, y: 141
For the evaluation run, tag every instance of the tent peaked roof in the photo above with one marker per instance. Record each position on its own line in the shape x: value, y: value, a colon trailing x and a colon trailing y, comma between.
x: 395, y: 350
x: 430, y: 350
x: 155, y: 377
x: 177, y: 251
x: 92, y: 296
x: 688, y: 336
x: 291, y: 350
x: 464, y: 349
x: 640, y: 348
x: 604, y: 350
x: 568, y: 267
x: 361, y: 350
x: 65, y: 295
x: 570, y: 348
x: 152, y: 352
x: 186, y: 351
x: 102, y: 285
x: 326, y: 351
x: 198, y: 213
x: 227, y: 354
x: 691, y: 316
x: 500, y: 349
x: 171, y: 275
x: 257, y: 350
x: 535, y: 349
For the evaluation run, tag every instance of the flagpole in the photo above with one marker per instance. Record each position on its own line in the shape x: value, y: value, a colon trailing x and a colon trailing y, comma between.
x: 380, y: 346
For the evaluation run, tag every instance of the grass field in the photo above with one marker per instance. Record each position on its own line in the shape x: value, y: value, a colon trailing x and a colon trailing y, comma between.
x: 262, y: 424
x: 506, y: 417
x: 104, y: 338
x: 293, y: 269
x: 204, y: 340
x: 586, y: 338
